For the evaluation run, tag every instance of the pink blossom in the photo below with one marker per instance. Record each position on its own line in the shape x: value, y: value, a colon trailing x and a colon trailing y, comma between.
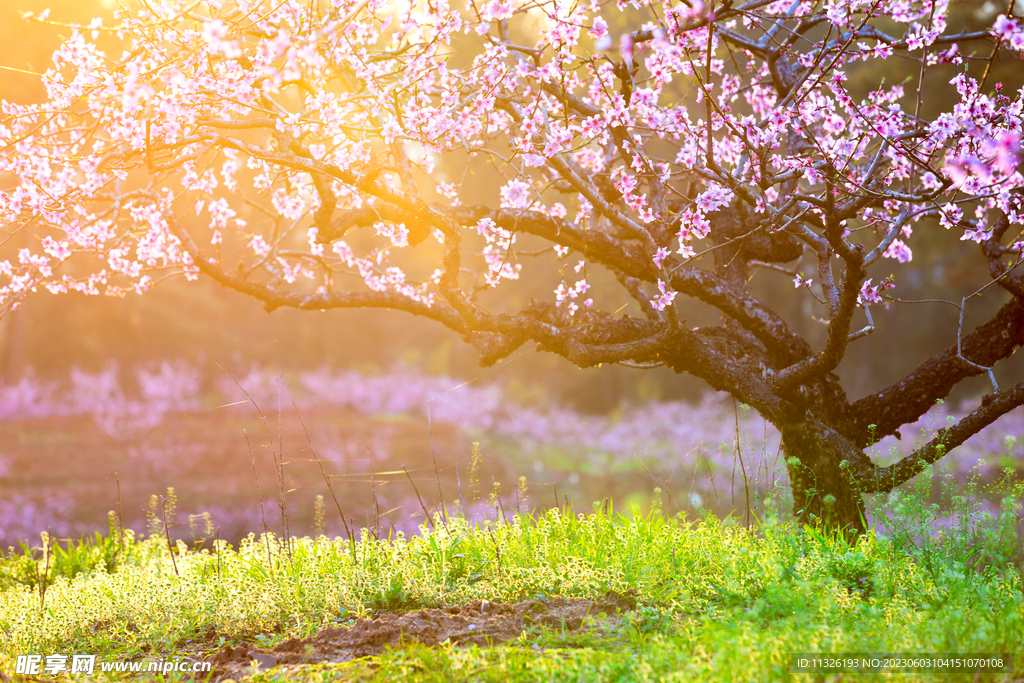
x: 665, y: 299
x: 1010, y: 31
x: 391, y: 131
x: 497, y: 9
x: 259, y: 245
x: 871, y: 294
x: 899, y: 251
x: 515, y: 195
x: 714, y: 198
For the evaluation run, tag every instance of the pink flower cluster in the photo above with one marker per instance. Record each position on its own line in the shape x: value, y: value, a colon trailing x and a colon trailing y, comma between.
x: 202, y: 114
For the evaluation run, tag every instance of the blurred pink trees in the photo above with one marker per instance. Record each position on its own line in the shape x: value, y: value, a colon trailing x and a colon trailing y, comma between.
x: 247, y: 141
x: 174, y: 386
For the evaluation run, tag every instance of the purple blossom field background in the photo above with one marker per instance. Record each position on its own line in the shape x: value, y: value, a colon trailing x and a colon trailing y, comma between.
x: 174, y: 425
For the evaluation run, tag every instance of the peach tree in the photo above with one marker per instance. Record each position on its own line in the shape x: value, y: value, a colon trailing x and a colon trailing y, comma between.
x: 308, y: 154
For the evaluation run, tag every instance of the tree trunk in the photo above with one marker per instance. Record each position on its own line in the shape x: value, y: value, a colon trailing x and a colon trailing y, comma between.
x: 822, y: 490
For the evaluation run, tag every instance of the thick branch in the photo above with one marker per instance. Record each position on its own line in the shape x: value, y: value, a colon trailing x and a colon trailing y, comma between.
x: 885, y: 479
x: 828, y: 359
x: 1000, y: 272
x: 778, y: 338
x: 910, y: 398
x: 698, y: 354
x: 272, y: 298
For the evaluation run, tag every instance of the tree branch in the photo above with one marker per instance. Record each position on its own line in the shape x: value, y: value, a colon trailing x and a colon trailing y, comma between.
x: 910, y: 398
x: 885, y: 479
x: 273, y: 298
x: 782, y: 343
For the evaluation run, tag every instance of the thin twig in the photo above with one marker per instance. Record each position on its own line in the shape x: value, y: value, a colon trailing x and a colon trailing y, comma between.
x: 693, y: 477
x: 376, y: 506
x: 437, y: 474
x: 714, y: 488
x: 668, y: 490
x: 424, y: 507
x: 167, y: 535
x: 280, y: 475
x: 44, y: 582
x: 327, y: 480
x: 497, y: 552
x: 458, y: 483
x: 501, y: 506
x: 270, y: 437
x: 120, y: 514
x: 739, y: 454
x: 259, y: 495
x: 732, y: 482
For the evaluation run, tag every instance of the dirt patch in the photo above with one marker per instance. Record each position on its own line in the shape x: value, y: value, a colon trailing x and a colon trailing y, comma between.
x: 480, y: 622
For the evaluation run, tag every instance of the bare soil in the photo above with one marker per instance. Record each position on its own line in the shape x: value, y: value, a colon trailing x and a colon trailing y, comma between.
x: 480, y: 622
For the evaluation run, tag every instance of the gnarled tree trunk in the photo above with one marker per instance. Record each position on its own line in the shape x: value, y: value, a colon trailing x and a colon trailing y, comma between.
x: 819, y: 464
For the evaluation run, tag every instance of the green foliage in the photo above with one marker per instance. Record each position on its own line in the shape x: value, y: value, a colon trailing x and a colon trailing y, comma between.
x: 944, y: 522
x: 30, y: 565
x: 318, y: 516
x: 474, y: 473
x: 649, y: 619
x: 715, y: 601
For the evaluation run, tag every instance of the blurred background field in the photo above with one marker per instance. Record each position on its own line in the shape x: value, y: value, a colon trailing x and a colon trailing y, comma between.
x: 73, y: 450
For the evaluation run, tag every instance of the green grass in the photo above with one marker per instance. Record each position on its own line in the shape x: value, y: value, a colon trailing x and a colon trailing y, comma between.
x: 716, y: 601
